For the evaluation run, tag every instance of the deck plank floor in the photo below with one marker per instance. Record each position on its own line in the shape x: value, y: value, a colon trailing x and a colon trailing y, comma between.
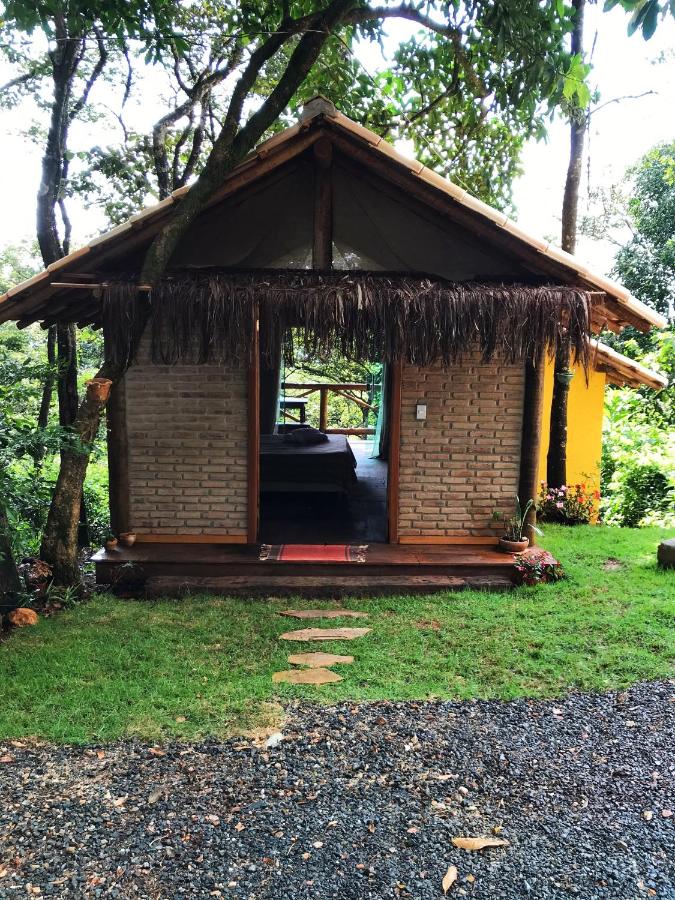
x: 222, y: 561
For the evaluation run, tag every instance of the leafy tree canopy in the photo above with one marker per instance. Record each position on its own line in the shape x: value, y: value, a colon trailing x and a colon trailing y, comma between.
x: 644, y: 14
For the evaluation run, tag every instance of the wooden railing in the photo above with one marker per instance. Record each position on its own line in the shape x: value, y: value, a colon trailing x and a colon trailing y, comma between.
x: 349, y: 390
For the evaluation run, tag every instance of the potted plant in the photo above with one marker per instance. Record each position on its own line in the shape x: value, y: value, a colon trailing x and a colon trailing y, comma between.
x: 514, y: 540
x: 111, y: 543
x: 127, y: 538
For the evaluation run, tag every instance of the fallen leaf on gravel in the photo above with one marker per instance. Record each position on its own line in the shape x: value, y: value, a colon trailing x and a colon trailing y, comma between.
x: 449, y: 879
x: 648, y: 815
x: 3, y: 872
x: 100, y: 754
x: 306, y: 855
x: 317, y: 845
x: 120, y: 801
x: 239, y: 826
x: 412, y: 830
x: 497, y: 829
x: 7, y: 759
x: 155, y: 751
x: 156, y: 795
x: 469, y: 843
x: 666, y: 813
x: 213, y: 820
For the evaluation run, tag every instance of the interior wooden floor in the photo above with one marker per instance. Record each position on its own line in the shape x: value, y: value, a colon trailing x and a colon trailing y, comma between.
x: 304, y: 518
x: 237, y: 569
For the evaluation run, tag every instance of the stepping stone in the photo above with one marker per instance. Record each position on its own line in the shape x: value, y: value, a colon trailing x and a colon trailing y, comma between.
x: 307, y: 676
x: 323, y: 614
x: 318, y: 660
x: 324, y: 634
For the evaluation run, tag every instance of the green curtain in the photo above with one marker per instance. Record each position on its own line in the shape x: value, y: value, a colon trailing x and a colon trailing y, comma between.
x: 381, y: 437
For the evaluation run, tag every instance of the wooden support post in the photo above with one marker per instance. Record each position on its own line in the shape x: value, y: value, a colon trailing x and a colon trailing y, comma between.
x: 533, y: 407
x: 323, y: 409
x: 118, y: 459
x: 253, y: 455
x: 394, y: 449
x: 322, y: 256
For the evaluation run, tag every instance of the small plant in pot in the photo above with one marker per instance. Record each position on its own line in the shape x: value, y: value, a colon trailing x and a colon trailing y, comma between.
x: 514, y: 539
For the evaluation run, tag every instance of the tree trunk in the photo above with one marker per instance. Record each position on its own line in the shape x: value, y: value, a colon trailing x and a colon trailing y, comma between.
x: 10, y: 583
x: 66, y: 336
x: 556, y: 462
x: 59, y: 543
x: 66, y: 341
x: 47, y: 392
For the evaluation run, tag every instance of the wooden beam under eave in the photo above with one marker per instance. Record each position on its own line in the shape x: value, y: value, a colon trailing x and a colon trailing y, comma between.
x: 322, y: 248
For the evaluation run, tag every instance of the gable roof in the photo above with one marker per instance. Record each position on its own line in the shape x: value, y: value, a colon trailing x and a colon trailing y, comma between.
x: 59, y: 291
x: 623, y: 371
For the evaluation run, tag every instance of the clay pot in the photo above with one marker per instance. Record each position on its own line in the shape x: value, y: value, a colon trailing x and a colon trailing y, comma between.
x: 111, y: 544
x: 513, y: 546
x: 99, y: 389
x: 127, y: 538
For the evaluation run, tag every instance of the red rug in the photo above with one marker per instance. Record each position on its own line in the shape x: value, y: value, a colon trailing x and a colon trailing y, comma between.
x: 333, y: 553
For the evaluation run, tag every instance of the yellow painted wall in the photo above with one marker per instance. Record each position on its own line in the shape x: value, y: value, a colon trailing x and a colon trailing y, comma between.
x: 584, y: 426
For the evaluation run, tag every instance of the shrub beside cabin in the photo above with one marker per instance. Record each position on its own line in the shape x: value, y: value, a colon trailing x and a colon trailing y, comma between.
x: 328, y: 234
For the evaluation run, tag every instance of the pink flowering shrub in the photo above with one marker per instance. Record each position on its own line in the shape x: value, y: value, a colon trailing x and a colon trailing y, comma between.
x: 570, y: 504
x: 537, y: 567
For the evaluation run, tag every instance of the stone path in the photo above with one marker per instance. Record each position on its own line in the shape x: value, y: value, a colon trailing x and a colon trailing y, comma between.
x: 324, y: 614
x: 318, y: 659
x: 317, y: 671
x: 307, y: 676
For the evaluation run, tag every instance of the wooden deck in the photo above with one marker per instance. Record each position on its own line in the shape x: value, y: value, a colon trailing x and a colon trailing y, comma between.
x: 236, y: 568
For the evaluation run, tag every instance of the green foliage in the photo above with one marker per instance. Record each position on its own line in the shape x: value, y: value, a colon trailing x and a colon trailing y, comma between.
x: 638, y: 463
x: 638, y: 458
x: 646, y: 264
x: 644, y: 14
x: 111, y: 669
x: 640, y: 493
x: 149, y: 21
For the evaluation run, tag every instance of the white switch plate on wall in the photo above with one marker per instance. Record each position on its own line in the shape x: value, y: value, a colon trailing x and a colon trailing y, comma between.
x: 421, y: 412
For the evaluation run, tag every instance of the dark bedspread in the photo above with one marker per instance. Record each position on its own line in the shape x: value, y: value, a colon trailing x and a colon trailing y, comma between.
x: 328, y: 466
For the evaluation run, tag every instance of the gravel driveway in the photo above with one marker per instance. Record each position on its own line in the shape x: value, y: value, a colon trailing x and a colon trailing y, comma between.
x: 360, y: 802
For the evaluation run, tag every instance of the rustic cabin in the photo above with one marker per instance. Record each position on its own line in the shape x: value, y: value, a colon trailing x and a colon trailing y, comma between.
x: 326, y: 239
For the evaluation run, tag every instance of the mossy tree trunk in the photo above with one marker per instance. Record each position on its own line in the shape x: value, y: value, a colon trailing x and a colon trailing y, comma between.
x: 556, y: 462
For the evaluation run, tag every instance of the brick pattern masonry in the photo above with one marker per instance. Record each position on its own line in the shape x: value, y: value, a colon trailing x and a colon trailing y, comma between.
x: 187, y: 448
x: 462, y: 463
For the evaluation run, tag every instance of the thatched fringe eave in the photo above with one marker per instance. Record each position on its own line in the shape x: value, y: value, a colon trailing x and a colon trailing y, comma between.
x: 210, y: 316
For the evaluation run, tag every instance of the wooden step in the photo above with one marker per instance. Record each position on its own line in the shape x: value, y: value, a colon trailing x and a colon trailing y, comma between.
x: 317, y: 586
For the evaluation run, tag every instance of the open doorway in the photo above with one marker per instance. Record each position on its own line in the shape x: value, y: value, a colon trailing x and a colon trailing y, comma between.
x: 323, y: 450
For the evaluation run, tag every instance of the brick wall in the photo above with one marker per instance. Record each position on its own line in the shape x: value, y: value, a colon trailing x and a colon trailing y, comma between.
x: 187, y: 437
x: 463, y: 462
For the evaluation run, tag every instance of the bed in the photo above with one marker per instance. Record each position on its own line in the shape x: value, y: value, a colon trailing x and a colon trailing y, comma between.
x: 329, y: 467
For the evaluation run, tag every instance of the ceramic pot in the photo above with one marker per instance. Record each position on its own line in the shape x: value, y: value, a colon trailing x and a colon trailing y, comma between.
x: 513, y: 546
x: 111, y: 544
x: 128, y: 538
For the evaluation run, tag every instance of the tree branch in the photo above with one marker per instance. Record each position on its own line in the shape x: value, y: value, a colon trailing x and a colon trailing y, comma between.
x: 78, y: 106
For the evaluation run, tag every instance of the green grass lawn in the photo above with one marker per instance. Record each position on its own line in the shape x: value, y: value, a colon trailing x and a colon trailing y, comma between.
x: 185, y: 669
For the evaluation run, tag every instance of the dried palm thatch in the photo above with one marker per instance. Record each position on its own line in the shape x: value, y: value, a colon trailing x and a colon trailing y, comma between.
x: 209, y: 317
